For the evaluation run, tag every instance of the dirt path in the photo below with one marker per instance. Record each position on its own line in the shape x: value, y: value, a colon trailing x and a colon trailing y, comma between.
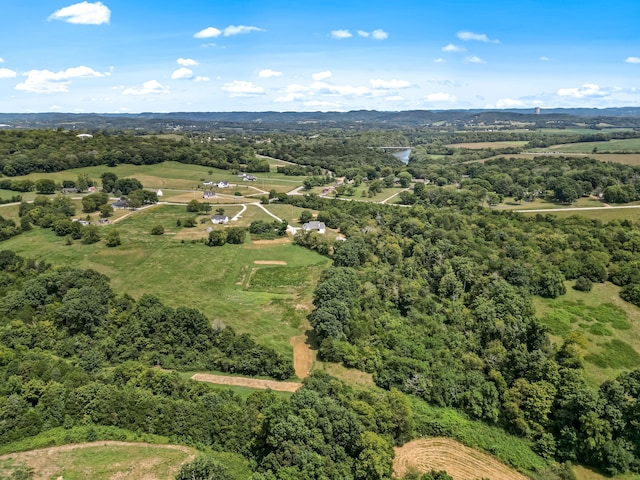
x: 462, y: 463
x: 303, y: 356
x: 247, y: 382
x: 44, y: 463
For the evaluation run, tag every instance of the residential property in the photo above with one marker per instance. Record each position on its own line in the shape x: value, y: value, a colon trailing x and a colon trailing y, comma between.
x: 69, y: 190
x: 222, y: 184
x: 219, y: 219
x: 209, y: 194
x: 314, y: 226
x: 122, y: 203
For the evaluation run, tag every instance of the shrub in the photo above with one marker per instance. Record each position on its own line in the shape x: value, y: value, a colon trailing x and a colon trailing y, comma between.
x: 157, y: 230
x: 583, y: 284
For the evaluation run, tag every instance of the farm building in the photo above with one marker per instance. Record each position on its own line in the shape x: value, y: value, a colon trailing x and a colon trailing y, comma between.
x: 219, y: 219
x: 314, y: 226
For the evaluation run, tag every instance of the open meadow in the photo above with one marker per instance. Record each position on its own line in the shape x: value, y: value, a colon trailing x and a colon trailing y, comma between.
x: 261, y: 287
x: 609, y: 326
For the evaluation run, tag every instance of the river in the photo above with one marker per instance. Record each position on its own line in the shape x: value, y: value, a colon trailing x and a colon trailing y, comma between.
x: 403, y: 155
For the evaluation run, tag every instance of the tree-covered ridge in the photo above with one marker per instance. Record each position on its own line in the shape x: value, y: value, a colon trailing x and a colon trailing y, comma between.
x: 74, y: 314
x: 24, y: 152
x: 437, y: 303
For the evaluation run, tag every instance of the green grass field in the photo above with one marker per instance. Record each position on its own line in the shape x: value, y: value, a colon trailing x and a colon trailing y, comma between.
x: 610, y: 326
x: 629, y: 145
x: 183, y: 272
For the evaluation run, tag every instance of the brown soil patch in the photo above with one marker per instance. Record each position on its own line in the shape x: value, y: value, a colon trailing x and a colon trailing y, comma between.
x: 303, y: 356
x: 248, y: 382
x: 352, y: 376
x: 270, y: 262
x: 45, y: 464
x: 275, y: 241
x: 462, y: 463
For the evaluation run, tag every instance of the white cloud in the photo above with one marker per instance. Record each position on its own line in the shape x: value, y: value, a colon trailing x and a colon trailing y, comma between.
x: 347, y: 90
x: 544, y: 59
x: 46, y: 81
x: 83, y: 13
x: 453, y: 48
x: 439, y: 60
x: 209, y: 32
x: 240, y: 88
x: 508, y: 103
x: 200, y: 78
x: 289, y: 97
x: 440, y: 97
x: 363, y: 34
x: 318, y: 77
x: 379, y: 34
x: 586, y: 90
x: 1, y: 60
x: 480, y: 37
x: 152, y: 87
x: 240, y: 29
x: 268, y: 73
x: 474, y: 59
x: 186, y: 62
x: 321, y: 104
x: 6, y: 73
x: 182, y: 73
x: 341, y: 34
x: 633, y: 60
x: 390, y: 84
x: 394, y: 98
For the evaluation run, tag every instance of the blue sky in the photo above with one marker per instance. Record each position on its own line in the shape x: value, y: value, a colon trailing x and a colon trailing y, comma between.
x: 255, y: 55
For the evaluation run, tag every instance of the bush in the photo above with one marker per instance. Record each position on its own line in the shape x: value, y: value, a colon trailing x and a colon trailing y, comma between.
x: 583, y: 284
x: 157, y: 230
x: 203, y: 468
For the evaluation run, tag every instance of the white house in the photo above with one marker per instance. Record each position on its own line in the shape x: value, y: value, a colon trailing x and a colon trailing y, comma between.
x: 219, y: 219
x: 314, y: 226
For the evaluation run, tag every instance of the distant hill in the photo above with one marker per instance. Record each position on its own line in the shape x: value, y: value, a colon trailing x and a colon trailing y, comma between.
x: 301, y: 121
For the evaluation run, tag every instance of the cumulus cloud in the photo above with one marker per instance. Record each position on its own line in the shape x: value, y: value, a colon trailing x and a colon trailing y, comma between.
x: 186, y: 62
x: 321, y: 104
x: 152, y: 87
x: 453, y: 48
x: 6, y: 73
x: 379, y: 34
x: 241, y: 88
x: 633, y: 60
x: 209, y: 32
x: 290, y: 97
x: 363, y: 34
x: 1, y: 60
x: 480, y: 37
x: 240, y: 29
x: 508, y: 103
x: 83, y: 13
x: 213, y: 32
x: 347, y: 90
x: 46, y: 81
x: 268, y: 73
x: 439, y: 97
x: 182, y: 73
x: 586, y: 90
x: 474, y: 59
x: 318, y: 77
x: 390, y: 84
x: 341, y: 34
x: 200, y: 78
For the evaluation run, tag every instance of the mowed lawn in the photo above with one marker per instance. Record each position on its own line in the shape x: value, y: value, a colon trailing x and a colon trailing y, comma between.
x: 184, y: 272
x: 174, y: 175
x: 609, y: 326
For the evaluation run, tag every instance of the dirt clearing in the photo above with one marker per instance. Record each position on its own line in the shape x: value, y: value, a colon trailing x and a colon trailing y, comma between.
x: 462, y: 463
x: 128, y: 460
x: 270, y: 262
x: 247, y: 382
x: 303, y: 356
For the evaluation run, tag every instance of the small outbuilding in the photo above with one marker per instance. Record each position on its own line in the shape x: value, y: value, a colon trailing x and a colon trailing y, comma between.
x: 314, y: 226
